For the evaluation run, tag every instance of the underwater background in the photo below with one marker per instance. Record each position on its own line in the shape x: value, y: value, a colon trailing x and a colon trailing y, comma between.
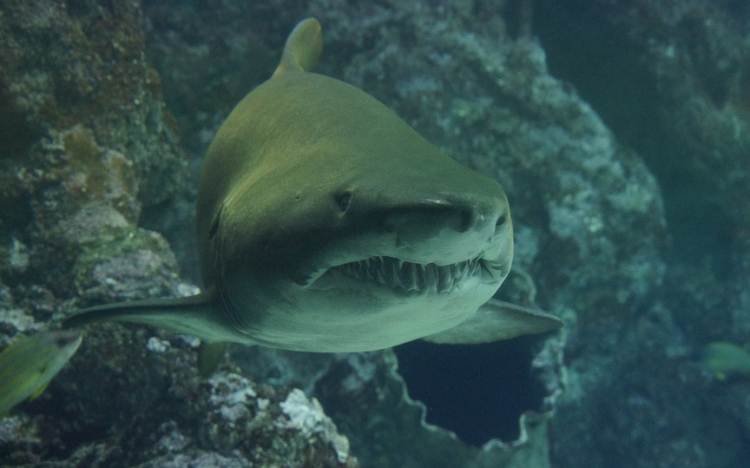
x: 620, y: 130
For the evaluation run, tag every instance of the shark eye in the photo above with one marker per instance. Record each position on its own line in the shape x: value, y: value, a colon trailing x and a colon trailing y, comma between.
x: 501, y: 220
x: 344, y: 200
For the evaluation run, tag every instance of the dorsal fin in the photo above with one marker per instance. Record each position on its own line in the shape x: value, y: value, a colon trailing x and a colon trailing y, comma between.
x: 303, y: 47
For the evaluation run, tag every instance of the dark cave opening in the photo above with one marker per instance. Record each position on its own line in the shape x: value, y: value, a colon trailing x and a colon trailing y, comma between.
x: 476, y: 391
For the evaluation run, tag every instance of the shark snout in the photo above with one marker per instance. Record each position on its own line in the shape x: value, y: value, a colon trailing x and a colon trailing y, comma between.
x: 445, y: 227
x: 483, y: 219
x: 458, y: 216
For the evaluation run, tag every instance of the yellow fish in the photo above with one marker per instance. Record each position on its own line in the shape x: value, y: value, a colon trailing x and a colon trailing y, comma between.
x: 29, y: 364
x: 726, y: 360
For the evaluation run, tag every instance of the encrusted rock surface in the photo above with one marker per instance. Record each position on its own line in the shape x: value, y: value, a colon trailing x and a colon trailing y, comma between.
x: 130, y: 398
x: 87, y: 146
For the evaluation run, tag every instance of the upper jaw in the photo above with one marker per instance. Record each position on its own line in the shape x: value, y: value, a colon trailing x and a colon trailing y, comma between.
x: 406, y: 277
x: 420, y: 267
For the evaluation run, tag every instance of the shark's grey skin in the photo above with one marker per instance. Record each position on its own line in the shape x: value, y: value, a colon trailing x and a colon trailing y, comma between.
x: 325, y: 223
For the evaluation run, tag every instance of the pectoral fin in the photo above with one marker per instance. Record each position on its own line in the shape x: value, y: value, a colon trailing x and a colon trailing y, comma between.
x: 497, y: 320
x: 198, y: 315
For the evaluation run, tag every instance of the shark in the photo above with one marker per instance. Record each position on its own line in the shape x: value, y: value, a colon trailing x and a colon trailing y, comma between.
x: 325, y: 223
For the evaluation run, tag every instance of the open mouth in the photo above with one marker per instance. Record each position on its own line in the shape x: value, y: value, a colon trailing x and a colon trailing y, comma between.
x: 407, y: 276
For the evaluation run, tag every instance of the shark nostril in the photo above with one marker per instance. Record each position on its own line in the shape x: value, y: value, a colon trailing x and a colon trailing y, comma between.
x: 343, y: 201
x: 500, y: 221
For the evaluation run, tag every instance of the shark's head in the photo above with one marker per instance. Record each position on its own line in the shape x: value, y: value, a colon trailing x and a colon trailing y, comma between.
x: 406, y: 238
x: 362, y: 236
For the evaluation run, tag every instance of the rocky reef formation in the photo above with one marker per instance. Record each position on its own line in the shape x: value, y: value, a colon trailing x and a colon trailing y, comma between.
x: 618, y: 128
x: 671, y: 80
x: 87, y: 147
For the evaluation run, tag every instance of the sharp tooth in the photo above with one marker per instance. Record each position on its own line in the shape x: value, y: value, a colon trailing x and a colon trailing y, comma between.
x: 420, y: 276
x: 383, y: 270
x: 388, y: 272
x: 396, y: 274
x: 444, y: 278
x: 362, y: 270
x: 463, y: 271
x: 412, y: 275
x: 431, y: 277
x: 372, y: 267
x: 403, y: 273
x: 378, y: 277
